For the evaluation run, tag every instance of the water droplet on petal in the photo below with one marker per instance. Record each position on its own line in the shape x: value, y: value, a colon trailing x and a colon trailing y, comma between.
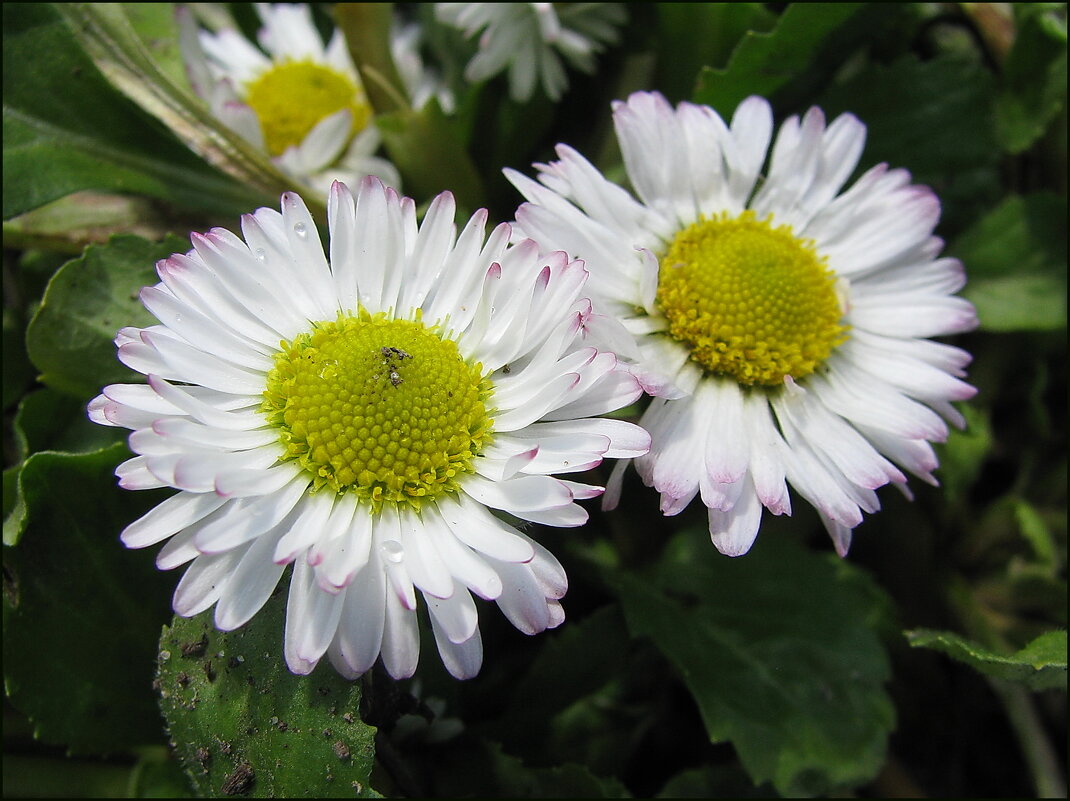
x: 301, y: 230
x: 260, y: 254
x: 392, y: 551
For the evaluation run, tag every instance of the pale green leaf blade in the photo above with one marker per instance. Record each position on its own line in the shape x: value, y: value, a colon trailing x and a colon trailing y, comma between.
x: 1041, y: 665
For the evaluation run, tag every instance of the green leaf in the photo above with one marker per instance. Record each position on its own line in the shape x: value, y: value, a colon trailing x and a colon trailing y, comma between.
x: 241, y: 720
x: 71, y: 223
x: 427, y: 150
x: 1041, y: 665
x: 1038, y: 534
x: 51, y: 421
x: 581, y: 659
x: 18, y: 372
x: 80, y: 611
x: 1021, y: 303
x: 962, y: 455
x: 1034, y: 76
x: 71, y: 337
x: 157, y: 774
x: 1015, y: 257
x: 157, y: 28
x: 66, y: 129
x: 762, y: 63
x: 691, y: 36
x: 367, y: 31
x: 932, y: 117
x: 778, y: 649
x: 122, y: 54
x: 482, y: 770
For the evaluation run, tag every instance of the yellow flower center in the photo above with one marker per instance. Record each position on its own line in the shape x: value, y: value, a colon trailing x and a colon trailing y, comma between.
x: 751, y: 301
x: 292, y: 97
x: 386, y: 409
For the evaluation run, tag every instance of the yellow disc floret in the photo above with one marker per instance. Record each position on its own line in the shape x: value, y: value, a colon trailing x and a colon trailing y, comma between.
x: 293, y: 96
x: 386, y: 409
x: 751, y: 301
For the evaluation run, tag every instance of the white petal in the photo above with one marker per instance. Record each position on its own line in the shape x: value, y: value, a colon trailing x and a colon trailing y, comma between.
x: 401, y: 639
x: 477, y: 528
x: 360, y: 630
x: 456, y: 615
x: 733, y: 532
x: 204, y: 581
x: 250, y: 585
x: 311, y: 620
x: 169, y: 517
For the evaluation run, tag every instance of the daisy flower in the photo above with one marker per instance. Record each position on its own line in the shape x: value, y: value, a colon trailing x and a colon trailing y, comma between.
x: 530, y: 40
x: 421, y: 82
x: 366, y: 419
x: 782, y: 324
x: 301, y: 102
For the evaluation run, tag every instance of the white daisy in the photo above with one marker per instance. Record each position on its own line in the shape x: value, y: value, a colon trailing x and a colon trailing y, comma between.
x: 301, y: 102
x: 783, y: 323
x: 421, y: 82
x: 531, y: 39
x: 361, y: 418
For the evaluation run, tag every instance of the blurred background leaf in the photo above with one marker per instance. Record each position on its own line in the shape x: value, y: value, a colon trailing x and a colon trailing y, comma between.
x: 66, y: 129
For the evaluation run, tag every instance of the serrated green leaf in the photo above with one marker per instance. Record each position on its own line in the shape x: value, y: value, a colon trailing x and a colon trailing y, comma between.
x: 691, y: 36
x: 762, y: 63
x: 67, y: 130
x: 71, y: 337
x: 243, y: 724
x: 778, y: 650
x: 1034, y: 76
x: 1041, y: 665
x: 1015, y: 258
x: 80, y: 611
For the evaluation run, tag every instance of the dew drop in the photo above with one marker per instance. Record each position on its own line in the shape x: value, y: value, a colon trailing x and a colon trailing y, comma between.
x: 261, y: 255
x: 300, y: 230
x: 392, y: 551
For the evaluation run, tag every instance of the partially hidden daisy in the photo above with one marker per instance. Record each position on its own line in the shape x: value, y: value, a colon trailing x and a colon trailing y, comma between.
x: 532, y: 40
x: 377, y: 420
x: 295, y: 98
x: 783, y: 324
